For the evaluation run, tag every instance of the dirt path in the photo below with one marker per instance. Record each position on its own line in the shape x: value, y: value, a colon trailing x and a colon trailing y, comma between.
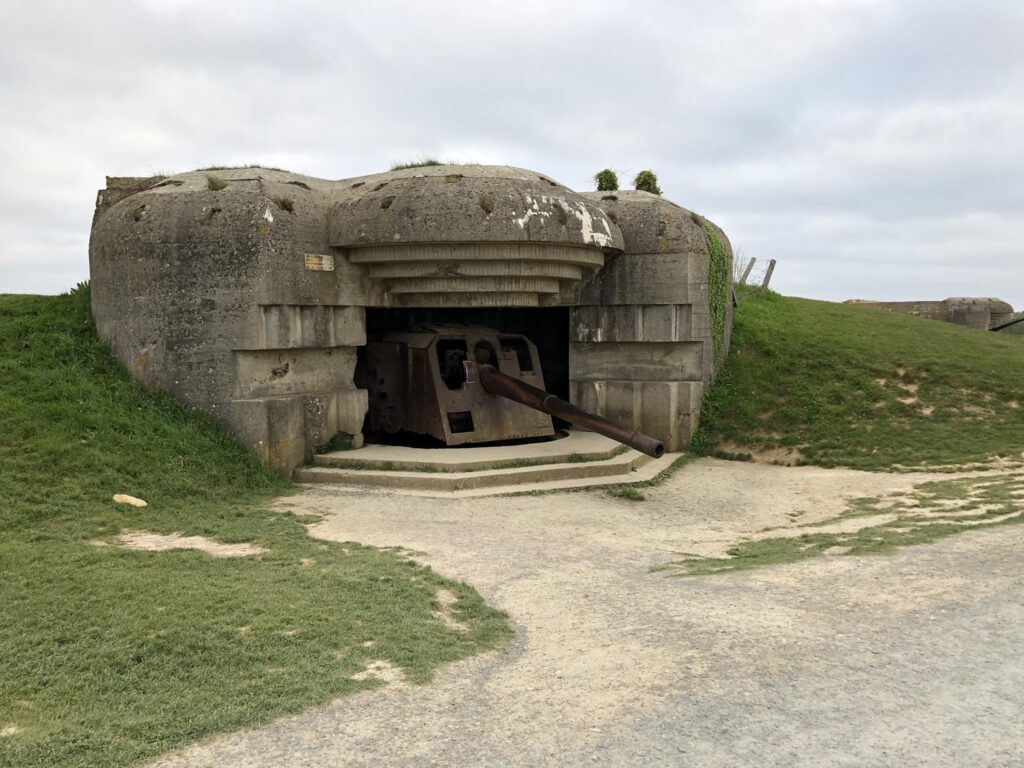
x: 904, y: 660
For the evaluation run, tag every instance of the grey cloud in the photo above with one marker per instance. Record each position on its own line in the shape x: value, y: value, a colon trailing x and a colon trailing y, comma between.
x: 871, y: 147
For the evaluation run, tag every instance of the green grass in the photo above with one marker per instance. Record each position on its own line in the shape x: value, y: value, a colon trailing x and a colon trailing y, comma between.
x: 849, y: 385
x: 606, y: 180
x: 425, y: 163
x: 428, y: 162
x: 285, y: 204
x: 109, y: 656
x: 215, y: 183
x: 647, y: 181
x: 931, y: 511
x: 256, y: 166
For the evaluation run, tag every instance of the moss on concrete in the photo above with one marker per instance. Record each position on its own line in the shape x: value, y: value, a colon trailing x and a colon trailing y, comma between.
x: 718, y: 290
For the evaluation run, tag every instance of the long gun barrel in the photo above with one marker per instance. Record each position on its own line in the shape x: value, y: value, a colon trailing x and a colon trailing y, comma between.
x: 1013, y: 322
x: 501, y: 384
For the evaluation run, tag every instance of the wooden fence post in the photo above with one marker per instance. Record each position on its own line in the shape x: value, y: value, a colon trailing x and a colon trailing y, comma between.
x: 746, y: 272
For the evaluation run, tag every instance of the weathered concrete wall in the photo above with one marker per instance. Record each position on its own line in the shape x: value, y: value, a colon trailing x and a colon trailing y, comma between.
x: 206, y: 293
x: 982, y: 313
x: 642, y: 348
x: 244, y: 291
x: 470, y: 236
x: 465, y: 204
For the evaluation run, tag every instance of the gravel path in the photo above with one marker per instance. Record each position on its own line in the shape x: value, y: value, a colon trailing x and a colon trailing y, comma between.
x: 913, y: 659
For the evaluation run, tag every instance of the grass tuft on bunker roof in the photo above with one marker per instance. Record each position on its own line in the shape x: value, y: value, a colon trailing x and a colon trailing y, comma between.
x: 239, y: 168
x: 854, y: 386
x: 112, y: 656
x: 427, y: 163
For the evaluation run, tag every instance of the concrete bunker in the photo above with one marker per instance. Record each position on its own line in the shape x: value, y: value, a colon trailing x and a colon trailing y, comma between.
x: 983, y: 313
x: 252, y: 293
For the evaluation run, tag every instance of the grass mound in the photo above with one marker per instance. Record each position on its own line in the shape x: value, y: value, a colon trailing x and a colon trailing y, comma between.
x: 110, y: 656
x: 846, y: 385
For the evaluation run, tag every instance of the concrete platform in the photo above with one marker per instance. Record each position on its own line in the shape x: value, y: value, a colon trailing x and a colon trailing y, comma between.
x: 580, y: 459
x: 549, y: 478
x: 576, y: 446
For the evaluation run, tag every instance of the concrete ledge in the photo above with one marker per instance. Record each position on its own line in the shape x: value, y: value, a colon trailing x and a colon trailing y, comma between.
x: 665, y: 361
x: 576, y: 447
x: 457, y: 481
x: 471, y: 274
x: 644, y: 473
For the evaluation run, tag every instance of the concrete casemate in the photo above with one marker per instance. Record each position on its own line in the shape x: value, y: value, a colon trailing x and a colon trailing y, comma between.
x: 975, y: 312
x: 248, y: 292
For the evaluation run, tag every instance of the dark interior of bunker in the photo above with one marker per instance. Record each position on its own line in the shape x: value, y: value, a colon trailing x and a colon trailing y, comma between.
x: 546, y: 327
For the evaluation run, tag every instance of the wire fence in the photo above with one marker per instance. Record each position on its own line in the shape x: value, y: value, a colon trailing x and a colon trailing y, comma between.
x: 752, y: 271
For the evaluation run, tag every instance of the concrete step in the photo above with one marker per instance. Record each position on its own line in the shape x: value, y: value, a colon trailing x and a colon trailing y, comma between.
x: 619, y: 466
x: 648, y: 469
x: 575, y: 446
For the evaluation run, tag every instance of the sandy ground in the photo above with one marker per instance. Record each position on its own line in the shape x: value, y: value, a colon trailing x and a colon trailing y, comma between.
x: 161, y: 542
x: 912, y: 659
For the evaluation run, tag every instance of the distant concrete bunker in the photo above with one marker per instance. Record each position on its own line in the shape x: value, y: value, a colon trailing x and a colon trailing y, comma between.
x: 983, y: 313
x: 251, y: 293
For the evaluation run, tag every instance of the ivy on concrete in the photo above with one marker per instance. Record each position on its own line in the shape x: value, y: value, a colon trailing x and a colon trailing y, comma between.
x: 718, y: 290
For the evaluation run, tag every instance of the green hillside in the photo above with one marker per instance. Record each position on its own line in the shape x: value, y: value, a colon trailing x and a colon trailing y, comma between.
x: 850, y: 385
x: 110, y: 656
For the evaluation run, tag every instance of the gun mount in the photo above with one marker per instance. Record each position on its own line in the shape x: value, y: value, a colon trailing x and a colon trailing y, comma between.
x: 468, y: 384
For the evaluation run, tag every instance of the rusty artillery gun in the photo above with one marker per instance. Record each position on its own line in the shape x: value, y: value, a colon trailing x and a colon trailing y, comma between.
x: 468, y: 384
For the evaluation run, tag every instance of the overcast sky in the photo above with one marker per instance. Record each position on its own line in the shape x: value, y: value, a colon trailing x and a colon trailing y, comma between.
x: 873, y: 147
